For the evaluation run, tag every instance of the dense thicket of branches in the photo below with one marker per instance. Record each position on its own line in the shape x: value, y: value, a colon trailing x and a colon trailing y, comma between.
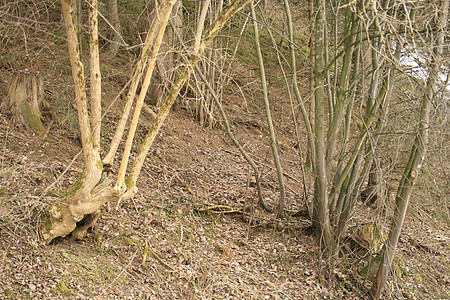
x: 379, y: 99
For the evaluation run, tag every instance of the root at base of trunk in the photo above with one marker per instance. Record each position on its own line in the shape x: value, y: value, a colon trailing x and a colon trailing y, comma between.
x: 76, y: 214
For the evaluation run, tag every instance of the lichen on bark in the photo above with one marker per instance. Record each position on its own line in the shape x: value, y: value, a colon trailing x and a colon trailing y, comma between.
x: 31, y: 117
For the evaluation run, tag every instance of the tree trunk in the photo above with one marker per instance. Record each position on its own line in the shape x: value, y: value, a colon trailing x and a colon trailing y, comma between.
x: 86, y: 196
x: 320, y: 215
x: 25, y: 98
x: 79, y: 210
x: 167, y: 59
x: 116, y: 30
x: 273, y: 139
x: 416, y: 157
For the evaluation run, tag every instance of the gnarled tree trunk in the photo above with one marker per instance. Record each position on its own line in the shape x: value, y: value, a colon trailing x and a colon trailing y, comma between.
x: 79, y: 210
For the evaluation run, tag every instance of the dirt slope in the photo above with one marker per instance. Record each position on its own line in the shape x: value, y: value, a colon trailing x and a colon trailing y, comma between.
x: 183, y: 236
x: 162, y: 244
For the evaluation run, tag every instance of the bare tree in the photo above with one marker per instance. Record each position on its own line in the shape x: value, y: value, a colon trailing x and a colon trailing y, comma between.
x: 273, y: 138
x: 79, y: 210
x: 416, y: 157
x: 168, y: 57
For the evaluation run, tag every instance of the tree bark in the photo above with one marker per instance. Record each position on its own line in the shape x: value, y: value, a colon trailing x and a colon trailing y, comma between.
x: 320, y: 215
x: 116, y: 30
x: 25, y: 99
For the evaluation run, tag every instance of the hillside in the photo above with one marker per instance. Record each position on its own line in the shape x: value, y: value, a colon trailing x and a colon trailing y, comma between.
x: 186, y: 234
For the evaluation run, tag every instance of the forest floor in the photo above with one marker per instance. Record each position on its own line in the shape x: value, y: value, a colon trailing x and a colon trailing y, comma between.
x: 184, y: 235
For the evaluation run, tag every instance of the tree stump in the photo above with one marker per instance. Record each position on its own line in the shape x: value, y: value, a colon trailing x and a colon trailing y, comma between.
x: 24, y: 99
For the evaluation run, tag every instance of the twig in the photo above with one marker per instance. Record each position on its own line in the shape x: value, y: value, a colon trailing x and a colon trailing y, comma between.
x: 184, y: 184
x: 62, y: 174
x: 251, y: 247
x: 212, y: 208
x: 4, y: 147
x: 149, y: 110
x: 227, y: 250
x: 162, y: 261
x: 252, y: 206
x: 126, y: 267
x: 144, y: 258
x: 246, y: 190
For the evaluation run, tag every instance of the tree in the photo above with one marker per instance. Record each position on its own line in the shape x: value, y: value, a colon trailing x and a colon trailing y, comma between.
x: 168, y: 57
x: 416, y: 157
x: 273, y: 138
x: 79, y: 209
x: 116, y: 29
x: 358, y: 67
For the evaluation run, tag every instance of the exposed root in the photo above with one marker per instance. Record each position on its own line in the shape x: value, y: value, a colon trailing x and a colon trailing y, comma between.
x: 77, y: 213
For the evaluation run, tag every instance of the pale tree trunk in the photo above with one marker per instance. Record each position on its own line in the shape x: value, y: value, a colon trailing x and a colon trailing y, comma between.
x: 134, y: 82
x: 209, y: 64
x: 320, y: 215
x: 167, y: 58
x: 95, y: 76
x: 120, y: 184
x: 273, y: 138
x: 79, y: 210
x: 24, y: 101
x: 234, y: 7
x: 200, y: 25
x: 216, y: 79
x: 82, y: 199
x: 416, y: 158
x: 89, y: 193
x: 116, y: 30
